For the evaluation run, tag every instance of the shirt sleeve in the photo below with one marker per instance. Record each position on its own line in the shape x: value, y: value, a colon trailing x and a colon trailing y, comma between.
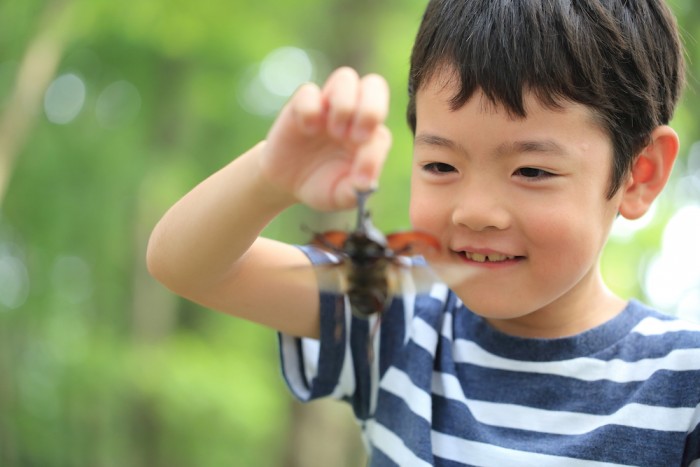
x: 339, y: 364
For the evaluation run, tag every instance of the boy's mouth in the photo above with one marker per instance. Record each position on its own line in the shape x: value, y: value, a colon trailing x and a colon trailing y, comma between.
x: 486, y: 258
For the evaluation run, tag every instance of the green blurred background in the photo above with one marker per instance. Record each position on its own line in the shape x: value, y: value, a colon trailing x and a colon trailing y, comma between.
x: 109, y: 112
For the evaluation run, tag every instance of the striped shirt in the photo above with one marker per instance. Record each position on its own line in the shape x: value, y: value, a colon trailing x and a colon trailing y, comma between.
x: 441, y: 387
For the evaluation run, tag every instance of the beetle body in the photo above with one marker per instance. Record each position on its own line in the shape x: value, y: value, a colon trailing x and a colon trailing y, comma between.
x: 370, y: 260
x: 367, y: 262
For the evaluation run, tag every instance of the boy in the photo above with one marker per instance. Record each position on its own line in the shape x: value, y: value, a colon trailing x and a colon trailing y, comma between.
x: 536, y: 123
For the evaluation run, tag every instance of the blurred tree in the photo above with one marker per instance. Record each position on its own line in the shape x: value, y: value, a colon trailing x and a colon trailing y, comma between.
x: 36, y: 68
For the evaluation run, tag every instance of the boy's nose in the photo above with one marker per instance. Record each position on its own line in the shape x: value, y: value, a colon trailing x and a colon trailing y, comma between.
x: 481, y: 210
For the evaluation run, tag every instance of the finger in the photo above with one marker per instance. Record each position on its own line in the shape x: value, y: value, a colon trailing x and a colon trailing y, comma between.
x: 307, y: 108
x: 370, y: 159
x: 372, y: 107
x: 340, y: 93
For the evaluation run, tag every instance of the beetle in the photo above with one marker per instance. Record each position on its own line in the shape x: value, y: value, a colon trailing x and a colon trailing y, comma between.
x: 370, y: 259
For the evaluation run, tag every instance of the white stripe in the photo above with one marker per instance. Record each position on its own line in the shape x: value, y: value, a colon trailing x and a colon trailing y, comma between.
x: 291, y: 362
x: 346, y: 380
x: 393, y: 446
x: 447, y: 328
x: 561, y: 422
x: 398, y: 383
x: 310, y: 349
x: 696, y: 419
x: 439, y: 291
x: 695, y: 463
x: 424, y: 335
x: 374, y: 363
x: 653, y: 326
x: 408, y: 293
x: 584, y: 368
x: 481, y: 454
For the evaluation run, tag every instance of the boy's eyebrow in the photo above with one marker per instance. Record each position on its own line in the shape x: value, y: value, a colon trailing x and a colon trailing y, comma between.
x: 514, y: 147
x: 435, y: 140
x: 540, y: 146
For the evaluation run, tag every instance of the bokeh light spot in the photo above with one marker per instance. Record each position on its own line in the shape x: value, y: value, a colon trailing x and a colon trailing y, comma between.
x: 64, y: 99
x: 265, y: 88
x: 673, y: 275
x: 118, y: 104
x: 625, y: 228
x: 14, y: 281
x: 283, y: 70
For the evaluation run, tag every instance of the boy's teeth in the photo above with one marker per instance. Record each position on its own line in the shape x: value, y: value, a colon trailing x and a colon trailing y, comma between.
x: 499, y: 257
x: 479, y: 258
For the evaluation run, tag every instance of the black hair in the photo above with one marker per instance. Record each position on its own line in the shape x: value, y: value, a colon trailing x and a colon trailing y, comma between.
x: 621, y: 58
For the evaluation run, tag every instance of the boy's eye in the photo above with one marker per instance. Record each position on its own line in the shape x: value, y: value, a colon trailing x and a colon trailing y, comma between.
x: 438, y: 167
x: 533, y: 173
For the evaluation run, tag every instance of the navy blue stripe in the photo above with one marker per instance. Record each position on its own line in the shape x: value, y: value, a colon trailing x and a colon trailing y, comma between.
x: 638, y: 346
x: 440, y: 462
x: 378, y: 459
x: 664, y: 389
x: 392, y: 334
x: 600, y: 343
x: 359, y: 346
x: 332, y: 347
x: 430, y: 309
x: 475, y: 328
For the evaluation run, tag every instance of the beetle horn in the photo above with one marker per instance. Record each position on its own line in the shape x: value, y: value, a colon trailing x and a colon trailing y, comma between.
x: 362, y: 212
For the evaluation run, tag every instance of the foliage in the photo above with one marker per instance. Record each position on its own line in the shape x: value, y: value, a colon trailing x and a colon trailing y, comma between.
x: 98, y: 364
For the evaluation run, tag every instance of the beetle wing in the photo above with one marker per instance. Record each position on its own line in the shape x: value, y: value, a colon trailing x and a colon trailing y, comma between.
x: 407, y: 276
x: 332, y: 240
x: 332, y: 277
x: 404, y: 243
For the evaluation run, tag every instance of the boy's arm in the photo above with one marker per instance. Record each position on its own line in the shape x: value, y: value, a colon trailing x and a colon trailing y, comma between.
x: 324, y: 144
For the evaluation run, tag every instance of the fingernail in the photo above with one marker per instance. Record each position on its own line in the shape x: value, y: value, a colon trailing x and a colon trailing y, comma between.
x: 364, y: 183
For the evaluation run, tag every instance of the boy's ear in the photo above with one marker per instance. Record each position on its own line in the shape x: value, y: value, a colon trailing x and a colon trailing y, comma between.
x: 650, y: 172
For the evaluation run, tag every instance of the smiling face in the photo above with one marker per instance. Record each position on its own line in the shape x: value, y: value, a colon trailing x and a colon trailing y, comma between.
x: 520, y: 207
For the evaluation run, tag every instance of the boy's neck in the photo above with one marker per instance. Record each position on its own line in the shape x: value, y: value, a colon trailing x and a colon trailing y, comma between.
x: 586, y: 309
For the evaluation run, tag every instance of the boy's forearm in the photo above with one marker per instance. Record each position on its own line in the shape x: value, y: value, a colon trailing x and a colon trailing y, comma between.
x: 201, y: 238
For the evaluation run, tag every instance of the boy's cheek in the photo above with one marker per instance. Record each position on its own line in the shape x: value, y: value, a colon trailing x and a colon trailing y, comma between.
x: 424, y: 215
x: 414, y: 216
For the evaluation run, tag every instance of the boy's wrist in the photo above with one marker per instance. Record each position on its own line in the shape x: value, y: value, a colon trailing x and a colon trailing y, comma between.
x: 268, y: 193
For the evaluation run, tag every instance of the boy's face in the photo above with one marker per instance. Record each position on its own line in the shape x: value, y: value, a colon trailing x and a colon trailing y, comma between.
x: 520, y: 208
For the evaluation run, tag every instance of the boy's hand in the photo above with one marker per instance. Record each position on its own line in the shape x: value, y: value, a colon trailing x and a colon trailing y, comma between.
x: 327, y: 143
